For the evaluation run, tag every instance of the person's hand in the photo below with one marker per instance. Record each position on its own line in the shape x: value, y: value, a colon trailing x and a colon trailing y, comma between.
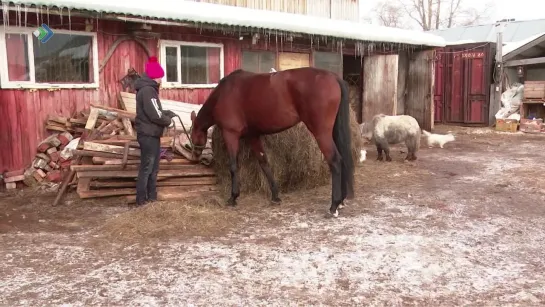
x: 169, y: 113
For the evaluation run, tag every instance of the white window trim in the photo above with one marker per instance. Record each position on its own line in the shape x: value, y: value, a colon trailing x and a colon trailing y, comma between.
x: 5, y: 83
x: 177, y: 44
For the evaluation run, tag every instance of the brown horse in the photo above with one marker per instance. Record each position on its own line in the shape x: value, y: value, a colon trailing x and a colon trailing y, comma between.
x: 249, y: 105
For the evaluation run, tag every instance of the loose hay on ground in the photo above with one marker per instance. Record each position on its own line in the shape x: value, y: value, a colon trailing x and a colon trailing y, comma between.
x: 204, y: 216
x: 294, y: 156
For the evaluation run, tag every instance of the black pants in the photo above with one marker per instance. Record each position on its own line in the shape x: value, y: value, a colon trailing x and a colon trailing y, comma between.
x: 150, y: 150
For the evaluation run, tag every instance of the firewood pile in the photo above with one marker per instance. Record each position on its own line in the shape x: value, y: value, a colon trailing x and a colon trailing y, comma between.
x: 97, y: 152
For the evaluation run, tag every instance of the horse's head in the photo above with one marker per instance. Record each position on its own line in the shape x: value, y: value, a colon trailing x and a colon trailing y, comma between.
x: 198, y: 136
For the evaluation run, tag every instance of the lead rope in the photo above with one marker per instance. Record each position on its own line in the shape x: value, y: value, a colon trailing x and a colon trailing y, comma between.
x: 187, y: 134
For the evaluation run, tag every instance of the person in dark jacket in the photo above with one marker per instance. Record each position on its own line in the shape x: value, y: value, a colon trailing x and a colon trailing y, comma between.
x: 150, y: 122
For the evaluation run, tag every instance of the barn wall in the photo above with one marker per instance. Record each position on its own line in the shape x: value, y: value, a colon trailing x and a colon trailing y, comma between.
x: 380, y: 75
x: 26, y: 110
x: 403, y: 70
x: 420, y: 89
x: 333, y: 9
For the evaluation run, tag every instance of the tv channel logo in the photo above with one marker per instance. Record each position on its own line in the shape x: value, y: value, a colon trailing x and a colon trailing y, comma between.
x: 43, y: 33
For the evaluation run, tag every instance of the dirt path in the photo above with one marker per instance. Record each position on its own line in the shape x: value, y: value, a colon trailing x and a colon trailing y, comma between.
x: 464, y: 225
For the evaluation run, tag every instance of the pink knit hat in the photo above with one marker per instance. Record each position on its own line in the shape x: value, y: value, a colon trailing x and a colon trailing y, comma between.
x: 154, y: 69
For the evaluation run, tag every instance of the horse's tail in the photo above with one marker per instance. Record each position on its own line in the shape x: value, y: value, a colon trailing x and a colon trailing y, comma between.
x: 426, y: 133
x: 342, y: 136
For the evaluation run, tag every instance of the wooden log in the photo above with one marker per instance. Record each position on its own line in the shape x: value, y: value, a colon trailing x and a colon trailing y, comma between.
x: 84, y: 185
x: 106, y: 161
x: 128, y: 126
x: 91, y: 153
x: 58, y: 119
x: 55, y: 128
x: 109, y: 148
x: 198, y: 181
x: 14, y: 173
x: 188, y: 172
x: 118, y: 140
x: 78, y: 121
x: 119, y: 167
x: 178, y: 191
x: 92, y: 120
x: 120, y: 113
x: 14, y: 178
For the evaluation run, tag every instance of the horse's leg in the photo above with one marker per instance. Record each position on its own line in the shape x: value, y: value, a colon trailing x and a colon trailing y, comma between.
x: 379, y: 151
x: 386, y: 149
x: 232, y: 142
x: 259, y: 152
x: 333, y: 158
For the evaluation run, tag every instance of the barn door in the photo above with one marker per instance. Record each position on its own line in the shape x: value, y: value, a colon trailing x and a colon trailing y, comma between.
x: 439, y: 87
x: 475, y: 89
x: 379, y: 85
x: 419, y: 103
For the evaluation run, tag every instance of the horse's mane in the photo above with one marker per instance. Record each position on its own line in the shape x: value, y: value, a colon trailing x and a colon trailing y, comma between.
x: 212, y: 99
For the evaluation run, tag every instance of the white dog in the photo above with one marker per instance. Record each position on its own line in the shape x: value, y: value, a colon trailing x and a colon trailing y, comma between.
x: 440, y: 139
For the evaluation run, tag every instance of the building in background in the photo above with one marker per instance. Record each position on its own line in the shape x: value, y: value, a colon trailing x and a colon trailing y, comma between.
x: 95, y: 44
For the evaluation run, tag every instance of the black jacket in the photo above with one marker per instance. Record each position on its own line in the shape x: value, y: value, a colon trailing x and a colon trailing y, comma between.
x: 150, y: 119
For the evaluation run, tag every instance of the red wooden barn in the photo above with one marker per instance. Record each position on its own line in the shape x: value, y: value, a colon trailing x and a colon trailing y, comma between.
x: 96, y: 42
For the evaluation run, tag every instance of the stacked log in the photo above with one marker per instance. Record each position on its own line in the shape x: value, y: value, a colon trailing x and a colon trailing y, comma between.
x: 112, y: 170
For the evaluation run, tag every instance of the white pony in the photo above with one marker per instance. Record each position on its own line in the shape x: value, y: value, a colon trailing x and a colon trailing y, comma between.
x: 385, y: 130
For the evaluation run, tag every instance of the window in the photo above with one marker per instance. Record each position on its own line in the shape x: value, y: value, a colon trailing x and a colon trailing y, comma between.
x: 258, y: 61
x: 68, y: 60
x: 329, y: 61
x: 191, y: 64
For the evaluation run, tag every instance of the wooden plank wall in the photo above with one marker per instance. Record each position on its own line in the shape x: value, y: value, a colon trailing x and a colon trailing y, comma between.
x: 403, y: 70
x: 334, y: 9
x: 380, y: 76
x: 420, y: 85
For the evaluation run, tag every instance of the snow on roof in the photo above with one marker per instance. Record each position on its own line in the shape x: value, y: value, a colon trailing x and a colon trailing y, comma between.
x: 461, y: 42
x: 246, y: 17
x: 510, y: 47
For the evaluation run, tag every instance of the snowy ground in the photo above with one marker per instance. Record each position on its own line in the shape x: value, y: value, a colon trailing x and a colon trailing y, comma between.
x: 464, y: 225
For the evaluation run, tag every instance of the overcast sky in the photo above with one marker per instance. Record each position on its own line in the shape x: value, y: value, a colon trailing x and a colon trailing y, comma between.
x: 518, y: 9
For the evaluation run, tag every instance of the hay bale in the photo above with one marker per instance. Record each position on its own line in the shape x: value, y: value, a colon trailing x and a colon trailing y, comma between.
x: 294, y: 156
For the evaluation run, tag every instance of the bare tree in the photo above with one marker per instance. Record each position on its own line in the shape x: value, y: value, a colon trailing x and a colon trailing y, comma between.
x: 390, y: 14
x: 430, y: 14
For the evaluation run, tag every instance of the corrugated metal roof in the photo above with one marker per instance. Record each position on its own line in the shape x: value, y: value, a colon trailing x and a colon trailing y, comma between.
x: 246, y: 17
x: 513, y: 32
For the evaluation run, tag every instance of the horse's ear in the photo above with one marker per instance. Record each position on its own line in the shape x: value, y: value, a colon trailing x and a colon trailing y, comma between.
x: 193, y: 115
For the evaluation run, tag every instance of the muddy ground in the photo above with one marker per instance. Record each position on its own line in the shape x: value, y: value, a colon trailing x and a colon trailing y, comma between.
x: 463, y: 225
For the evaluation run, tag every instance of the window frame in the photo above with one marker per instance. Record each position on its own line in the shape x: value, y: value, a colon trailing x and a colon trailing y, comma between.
x: 316, y: 52
x: 177, y: 44
x: 5, y: 83
x: 259, y: 52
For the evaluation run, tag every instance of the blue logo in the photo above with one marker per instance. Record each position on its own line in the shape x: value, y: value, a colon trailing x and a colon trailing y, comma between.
x: 43, y: 34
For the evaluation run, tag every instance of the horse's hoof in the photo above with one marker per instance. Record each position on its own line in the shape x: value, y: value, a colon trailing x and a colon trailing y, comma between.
x: 341, y: 206
x: 334, y: 214
x: 388, y: 159
x: 231, y: 203
x: 379, y: 158
x: 276, y: 201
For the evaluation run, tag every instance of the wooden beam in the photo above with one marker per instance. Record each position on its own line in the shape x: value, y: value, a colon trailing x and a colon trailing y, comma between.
x: 524, y: 62
x: 523, y: 48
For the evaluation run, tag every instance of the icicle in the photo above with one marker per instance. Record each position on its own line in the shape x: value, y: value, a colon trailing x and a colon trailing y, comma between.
x: 17, y: 15
x: 5, y: 16
x: 69, y: 20
x: 47, y: 12
x: 26, y: 15
x: 60, y: 14
x: 38, y: 16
